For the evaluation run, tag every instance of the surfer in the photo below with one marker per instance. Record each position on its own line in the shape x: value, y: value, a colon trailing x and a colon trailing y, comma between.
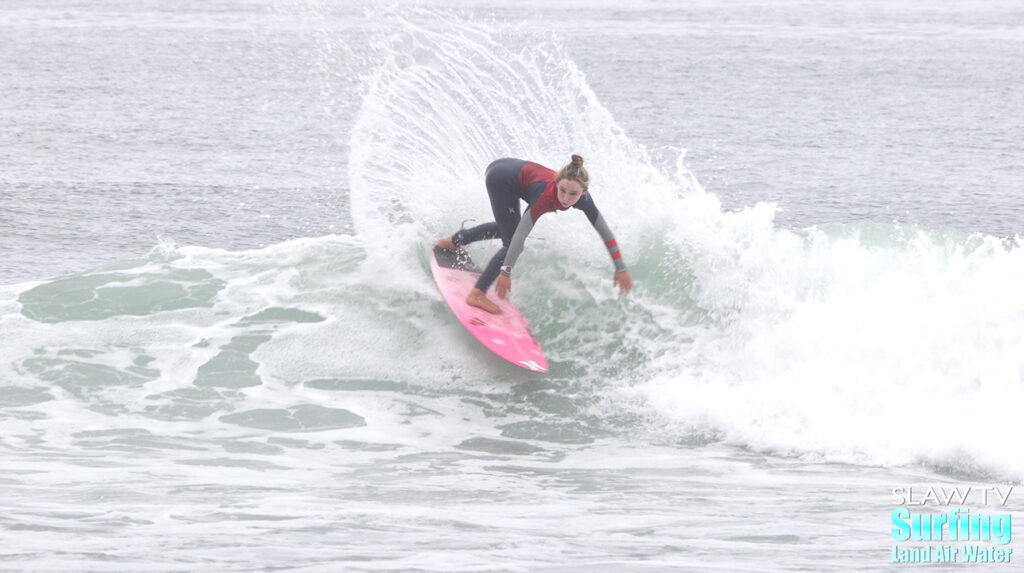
x: 544, y: 191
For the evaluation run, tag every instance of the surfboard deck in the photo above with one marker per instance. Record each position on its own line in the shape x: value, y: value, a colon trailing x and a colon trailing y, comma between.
x: 505, y: 334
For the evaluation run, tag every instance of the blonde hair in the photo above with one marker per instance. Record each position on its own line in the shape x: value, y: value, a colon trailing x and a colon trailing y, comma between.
x: 575, y: 171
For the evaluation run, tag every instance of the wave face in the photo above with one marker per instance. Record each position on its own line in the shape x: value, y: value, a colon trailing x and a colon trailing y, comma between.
x: 868, y: 344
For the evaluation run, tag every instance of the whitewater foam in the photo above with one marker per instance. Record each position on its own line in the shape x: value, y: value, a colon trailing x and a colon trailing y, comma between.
x: 836, y: 341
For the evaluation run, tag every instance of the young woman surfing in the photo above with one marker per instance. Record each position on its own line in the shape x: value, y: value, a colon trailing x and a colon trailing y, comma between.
x: 509, y: 181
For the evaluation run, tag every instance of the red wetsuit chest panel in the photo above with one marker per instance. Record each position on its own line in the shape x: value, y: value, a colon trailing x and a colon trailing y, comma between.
x: 546, y: 203
x: 530, y: 178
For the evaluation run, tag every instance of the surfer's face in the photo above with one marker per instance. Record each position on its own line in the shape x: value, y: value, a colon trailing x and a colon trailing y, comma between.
x: 569, y: 192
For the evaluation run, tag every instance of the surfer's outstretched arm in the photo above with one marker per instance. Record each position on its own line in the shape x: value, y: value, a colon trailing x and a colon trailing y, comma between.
x: 622, y: 278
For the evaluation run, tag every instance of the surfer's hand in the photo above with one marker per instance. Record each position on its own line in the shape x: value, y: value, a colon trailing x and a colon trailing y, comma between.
x: 623, y: 281
x: 503, y: 286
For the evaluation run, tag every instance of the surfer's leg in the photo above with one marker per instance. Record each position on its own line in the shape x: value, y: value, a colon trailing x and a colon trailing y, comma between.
x: 492, y: 269
x: 505, y: 204
x: 501, y: 177
x: 473, y: 234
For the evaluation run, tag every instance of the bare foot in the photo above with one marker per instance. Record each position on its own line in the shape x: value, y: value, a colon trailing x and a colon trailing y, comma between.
x: 446, y: 243
x: 478, y: 299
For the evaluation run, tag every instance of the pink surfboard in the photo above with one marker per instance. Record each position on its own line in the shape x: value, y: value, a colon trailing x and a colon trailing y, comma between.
x: 505, y: 334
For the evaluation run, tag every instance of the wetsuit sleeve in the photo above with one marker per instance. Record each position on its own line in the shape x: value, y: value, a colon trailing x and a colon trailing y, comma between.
x: 610, y: 243
x: 597, y: 220
x: 515, y: 246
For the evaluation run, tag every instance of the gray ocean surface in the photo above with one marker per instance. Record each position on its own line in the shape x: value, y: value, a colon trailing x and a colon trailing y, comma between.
x: 221, y: 348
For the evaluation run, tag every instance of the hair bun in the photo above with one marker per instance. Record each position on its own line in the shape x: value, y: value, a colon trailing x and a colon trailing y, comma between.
x: 575, y: 171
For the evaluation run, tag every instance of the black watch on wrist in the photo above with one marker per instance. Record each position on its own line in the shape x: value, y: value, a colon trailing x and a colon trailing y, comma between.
x: 506, y: 270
